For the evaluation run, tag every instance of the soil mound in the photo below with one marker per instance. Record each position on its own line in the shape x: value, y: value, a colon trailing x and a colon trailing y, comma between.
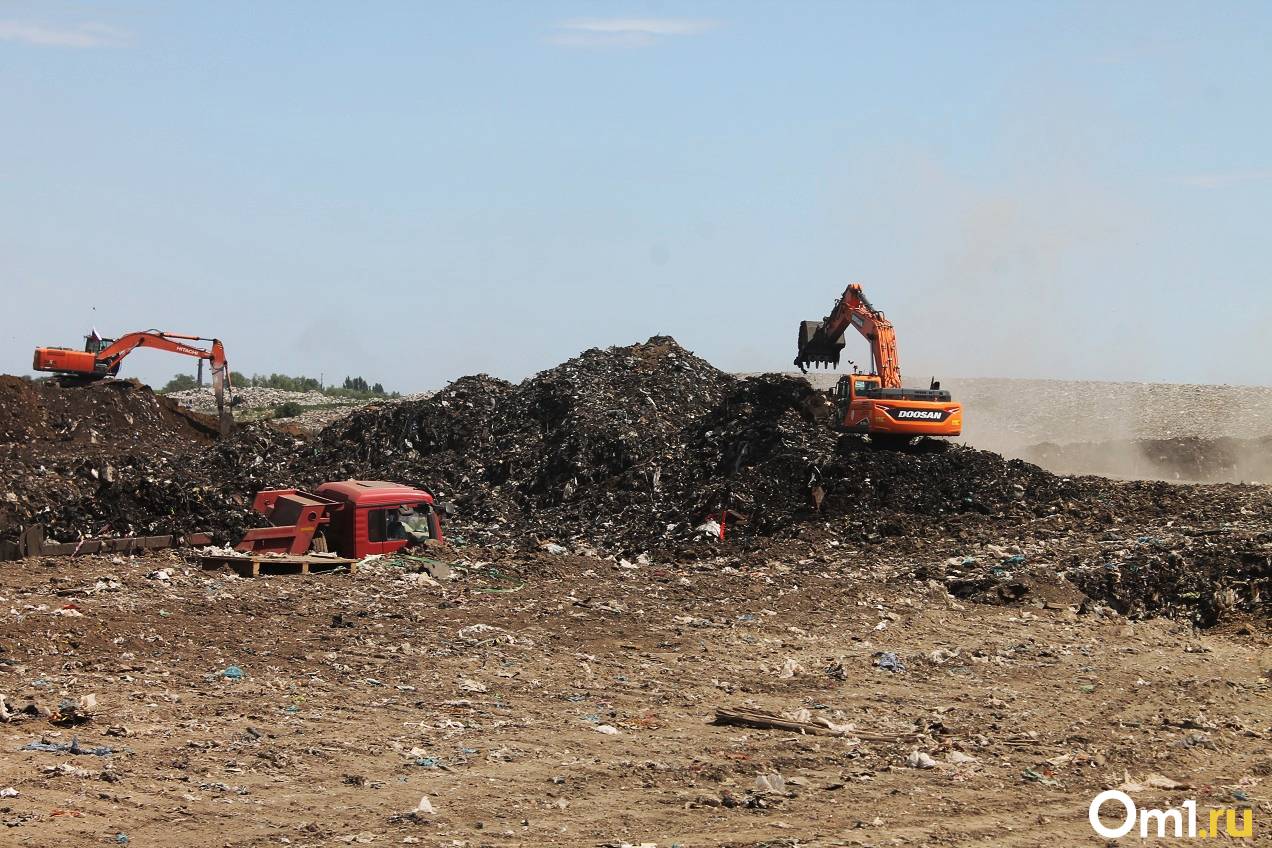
x: 107, y: 418
x: 58, y: 444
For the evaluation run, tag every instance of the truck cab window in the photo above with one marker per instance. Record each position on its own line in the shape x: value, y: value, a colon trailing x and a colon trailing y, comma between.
x: 376, y: 525
x: 394, y: 531
x: 417, y: 522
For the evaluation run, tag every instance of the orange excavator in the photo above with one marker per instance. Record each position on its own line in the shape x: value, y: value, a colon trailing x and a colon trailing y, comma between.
x: 101, y: 358
x: 875, y: 402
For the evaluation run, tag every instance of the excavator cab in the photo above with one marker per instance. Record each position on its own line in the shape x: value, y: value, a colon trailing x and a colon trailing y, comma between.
x: 96, y: 344
x: 857, y: 386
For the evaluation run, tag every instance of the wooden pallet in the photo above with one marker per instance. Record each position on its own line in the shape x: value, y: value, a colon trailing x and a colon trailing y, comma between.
x: 255, y: 566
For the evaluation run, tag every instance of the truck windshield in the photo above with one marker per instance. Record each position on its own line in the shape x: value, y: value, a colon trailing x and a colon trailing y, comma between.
x: 416, y: 523
x: 395, y: 524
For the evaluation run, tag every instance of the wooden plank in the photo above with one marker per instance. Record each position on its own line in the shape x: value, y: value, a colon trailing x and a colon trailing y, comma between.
x: 32, y: 543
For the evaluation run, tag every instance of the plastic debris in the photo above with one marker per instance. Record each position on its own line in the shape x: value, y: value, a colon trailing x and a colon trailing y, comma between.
x: 72, y: 747
x: 770, y: 783
x: 920, y: 760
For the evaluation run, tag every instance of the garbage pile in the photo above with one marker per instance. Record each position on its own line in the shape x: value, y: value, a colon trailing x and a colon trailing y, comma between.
x: 318, y: 409
x: 249, y: 397
x: 59, y: 445
x: 1201, y: 576
x: 643, y: 449
x: 635, y: 448
x: 575, y: 452
x: 208, y: 490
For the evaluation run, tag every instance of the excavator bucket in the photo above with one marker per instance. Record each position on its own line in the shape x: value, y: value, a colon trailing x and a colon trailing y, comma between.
x: 225, y: 419
x: 815, y: 348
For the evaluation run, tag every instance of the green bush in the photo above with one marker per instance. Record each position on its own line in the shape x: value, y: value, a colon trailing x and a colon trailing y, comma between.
x: 288, y: 409
x: 180, y: 383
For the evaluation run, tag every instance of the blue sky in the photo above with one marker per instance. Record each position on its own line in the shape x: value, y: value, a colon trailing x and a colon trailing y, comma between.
x: 416, y: 191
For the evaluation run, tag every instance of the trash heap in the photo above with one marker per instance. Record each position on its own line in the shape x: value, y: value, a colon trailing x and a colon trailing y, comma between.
x: 570, y: 453
x: 1197, y: 575
x: 208, y: 490
x: 60, y: 445
x: 625, y: 451
x: 635, y: 448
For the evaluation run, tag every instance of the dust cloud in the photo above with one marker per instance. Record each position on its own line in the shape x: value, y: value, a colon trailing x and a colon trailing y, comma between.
x: 1145, y: 431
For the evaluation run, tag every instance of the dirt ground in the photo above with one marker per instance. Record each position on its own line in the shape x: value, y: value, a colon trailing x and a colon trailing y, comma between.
x: 491, y: 694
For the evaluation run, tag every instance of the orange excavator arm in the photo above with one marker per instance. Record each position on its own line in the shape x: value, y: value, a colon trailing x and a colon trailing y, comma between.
x: 172, y: 342
x: 820, y: 342
x: 176, y: 343
x: 94, y: 364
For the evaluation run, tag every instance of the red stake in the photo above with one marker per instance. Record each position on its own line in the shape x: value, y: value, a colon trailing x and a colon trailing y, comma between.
x: 723, y: 514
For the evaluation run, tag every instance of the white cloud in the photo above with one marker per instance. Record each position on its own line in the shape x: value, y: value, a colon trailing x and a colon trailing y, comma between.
x: 625, y: 32
x: 81, y: 35
x: 1220, y: 179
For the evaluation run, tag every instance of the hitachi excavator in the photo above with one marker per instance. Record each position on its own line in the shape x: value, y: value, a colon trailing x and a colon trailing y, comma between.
x: 101, y: 358
x: 875, y: 403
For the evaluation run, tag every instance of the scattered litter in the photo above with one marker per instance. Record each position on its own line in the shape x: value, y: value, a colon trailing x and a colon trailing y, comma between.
x: 72, y: 747
x: 790, y: 668
x: 770, y: 783
x: 1037, y: 777
x: 1150, y: 781
x: 920, y: 760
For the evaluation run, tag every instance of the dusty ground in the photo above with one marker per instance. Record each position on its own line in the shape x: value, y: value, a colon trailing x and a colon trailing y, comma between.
x: 362, y: 693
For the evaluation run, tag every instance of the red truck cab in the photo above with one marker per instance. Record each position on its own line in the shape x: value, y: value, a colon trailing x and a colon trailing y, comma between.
x: 375, y: 517
x: 353, y: 518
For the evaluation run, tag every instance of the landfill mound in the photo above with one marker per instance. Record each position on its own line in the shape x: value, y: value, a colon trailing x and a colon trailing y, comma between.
x: 644, y: 449
x: 106, y: 418
x: 636, y: 448
x: 1197, y: 575
x: 1187, y: 458
x: 58, y: 444
x: 207, y: 490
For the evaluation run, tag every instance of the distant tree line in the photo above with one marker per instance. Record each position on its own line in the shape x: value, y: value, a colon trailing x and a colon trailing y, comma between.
x: 353, y: 387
